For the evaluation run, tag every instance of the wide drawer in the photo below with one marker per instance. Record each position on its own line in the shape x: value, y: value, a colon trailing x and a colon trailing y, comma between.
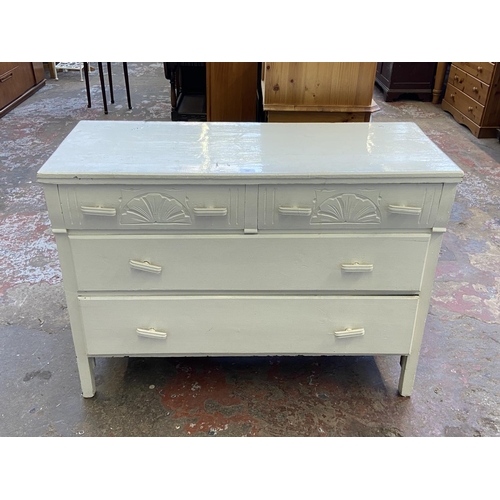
x: 342, y: 207
x: 474, y: 88
x: 481, y: 70
x: 15, y: 80
x: 228, y: 325
x: 466, y: 105
x: 378, y: 262
x: 165, y: 208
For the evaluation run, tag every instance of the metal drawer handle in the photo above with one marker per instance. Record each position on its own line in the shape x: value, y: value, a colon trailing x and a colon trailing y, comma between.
x: 402, y: 210
x: 357, y: 268
x: 151, y: 333
x: 101, y: 211
x: 145, y: 266
x: 301, y: 211
x: 210, y: 212
x: 350, y: 332
x: 5, y: 78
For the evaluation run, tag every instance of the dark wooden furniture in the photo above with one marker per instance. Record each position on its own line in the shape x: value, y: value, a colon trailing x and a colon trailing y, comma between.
x: 473, y: 96
x: 19, y: 80
x: 398, y: 78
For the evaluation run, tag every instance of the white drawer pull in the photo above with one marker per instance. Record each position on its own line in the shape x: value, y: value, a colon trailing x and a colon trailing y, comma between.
x: 102, y: 211
x: 210, y: 212
x: 301, y: 211
x: 357, y: 268
x: 402, y: 210
x: 145, y: 266
x: 151, y: 333
x: 350, y: 332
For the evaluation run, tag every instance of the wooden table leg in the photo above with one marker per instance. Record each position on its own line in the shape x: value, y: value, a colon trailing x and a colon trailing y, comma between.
x: 438, y: 82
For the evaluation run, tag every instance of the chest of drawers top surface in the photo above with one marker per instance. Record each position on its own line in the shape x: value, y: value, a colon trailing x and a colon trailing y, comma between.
x: 103, y: 151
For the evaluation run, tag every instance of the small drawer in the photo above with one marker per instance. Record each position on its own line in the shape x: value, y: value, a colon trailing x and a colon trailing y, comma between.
x: 481, y: 70
x: 257, y: 325
x: 469, y: 107
x: 338, y: 207
x: 165, y: 208
x: 474, y: 88
x: 310, y: 263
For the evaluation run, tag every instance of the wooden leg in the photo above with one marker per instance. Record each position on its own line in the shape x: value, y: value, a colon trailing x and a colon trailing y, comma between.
x: 103, y: 90
x: 438, y: 82
x: 87, y: 83
x: 86, y: 372
x: 110, y: 76
x: 127, y: 85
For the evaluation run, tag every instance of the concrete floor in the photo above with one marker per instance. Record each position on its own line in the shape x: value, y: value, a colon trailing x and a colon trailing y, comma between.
x: 456, y: 391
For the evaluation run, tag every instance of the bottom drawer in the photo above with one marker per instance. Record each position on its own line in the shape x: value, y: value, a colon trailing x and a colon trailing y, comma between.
x: 237, y: 325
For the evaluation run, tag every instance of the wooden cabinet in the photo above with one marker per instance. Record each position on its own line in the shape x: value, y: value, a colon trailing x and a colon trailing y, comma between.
x: 228, y: 239
x: 18, y: 80
x: 318, y: 92
x: 398, y: 78
x: 473, y: 96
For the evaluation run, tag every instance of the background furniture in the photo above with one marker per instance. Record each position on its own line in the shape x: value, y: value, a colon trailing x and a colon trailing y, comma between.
x: 231, y: 91
x: 103, y: 87
x: 473, y: 96
x: 437, y: 91
x: 248, y: 238
x: 329, y: 92
x: 399, y: 78
x: 213, y: 91
x: 19, y: 80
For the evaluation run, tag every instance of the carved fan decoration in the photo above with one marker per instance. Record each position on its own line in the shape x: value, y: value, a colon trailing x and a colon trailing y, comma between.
x: 154, y: 208
x: 347, y: 209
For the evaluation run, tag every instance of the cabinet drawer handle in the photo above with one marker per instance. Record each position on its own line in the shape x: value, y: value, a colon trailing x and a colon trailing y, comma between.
x: 145, y: 266
x: 210, y: 212
x: 480, y: 68
x: 301, y: 211
x: 474, y: 89
x: 100, y: 211
x: 470, y: 108
x: 151, y: 333
x: 452, y: 96
x: 402, y: 210
x: 350, y: 332
x: 5, y: 78
x: 357, y: 268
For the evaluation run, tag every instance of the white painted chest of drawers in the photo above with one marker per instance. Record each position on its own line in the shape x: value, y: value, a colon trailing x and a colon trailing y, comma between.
x: 194, y: 239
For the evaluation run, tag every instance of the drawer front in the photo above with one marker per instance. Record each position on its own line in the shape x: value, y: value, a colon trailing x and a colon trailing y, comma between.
x: 378, y: 262
x: 174, y: 208
x: 338, y: 207
x: 15, y: 80
x: 248, y: 325
x: 469, y: 107
x: 474, y: 88
x: 481, y: 70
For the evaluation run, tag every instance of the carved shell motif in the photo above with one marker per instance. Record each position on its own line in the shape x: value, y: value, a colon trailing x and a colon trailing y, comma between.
x: 347, y: 209
x: 154, y: 208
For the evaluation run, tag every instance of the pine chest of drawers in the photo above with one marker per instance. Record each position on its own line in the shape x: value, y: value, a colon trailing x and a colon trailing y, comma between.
x: 200, y: 239
x: 473, y: 96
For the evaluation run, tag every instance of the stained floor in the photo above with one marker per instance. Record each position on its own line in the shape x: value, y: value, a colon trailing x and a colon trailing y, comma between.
x: 456, y: 390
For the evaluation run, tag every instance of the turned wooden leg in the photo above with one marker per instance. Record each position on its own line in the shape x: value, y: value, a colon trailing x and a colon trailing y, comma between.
x: 438, y: 82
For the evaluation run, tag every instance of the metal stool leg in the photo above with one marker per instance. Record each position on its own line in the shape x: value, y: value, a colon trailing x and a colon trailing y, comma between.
x: 110, y: 76
x: 87, y: 83
x: 127, y: 86
x: 103, y: 90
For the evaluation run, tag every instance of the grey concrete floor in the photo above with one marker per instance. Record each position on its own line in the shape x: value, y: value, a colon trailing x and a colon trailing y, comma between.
x: 456, y: 391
